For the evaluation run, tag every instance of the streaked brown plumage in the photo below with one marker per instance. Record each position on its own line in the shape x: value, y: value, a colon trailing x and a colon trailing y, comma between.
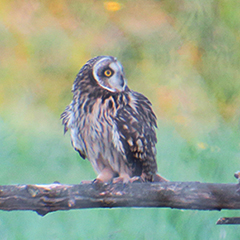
x: 111, y: 125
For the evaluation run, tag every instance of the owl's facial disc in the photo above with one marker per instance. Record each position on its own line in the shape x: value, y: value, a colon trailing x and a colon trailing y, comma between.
x: 109, y: 74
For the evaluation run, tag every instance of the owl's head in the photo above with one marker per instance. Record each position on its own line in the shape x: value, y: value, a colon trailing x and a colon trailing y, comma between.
x: 109, y: 74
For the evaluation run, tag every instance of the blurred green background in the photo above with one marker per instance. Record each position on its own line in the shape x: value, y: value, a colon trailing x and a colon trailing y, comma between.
x: 184, y: 55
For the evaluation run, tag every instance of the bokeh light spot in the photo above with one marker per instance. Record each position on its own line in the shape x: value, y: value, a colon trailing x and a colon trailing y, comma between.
x: 112, y: 6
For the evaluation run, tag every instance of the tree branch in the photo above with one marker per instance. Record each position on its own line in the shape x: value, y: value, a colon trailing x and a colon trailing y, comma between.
x: 183, y: 195
x: 224, y: 220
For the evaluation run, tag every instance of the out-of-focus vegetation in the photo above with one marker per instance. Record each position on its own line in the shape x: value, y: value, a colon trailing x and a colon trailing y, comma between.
x: 184, y: 55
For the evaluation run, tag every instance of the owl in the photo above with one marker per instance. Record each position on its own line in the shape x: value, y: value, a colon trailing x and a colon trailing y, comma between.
x: 111, y: 125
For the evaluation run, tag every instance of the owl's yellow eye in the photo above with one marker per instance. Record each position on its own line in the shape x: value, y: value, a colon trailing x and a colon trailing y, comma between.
x: 108, y: 73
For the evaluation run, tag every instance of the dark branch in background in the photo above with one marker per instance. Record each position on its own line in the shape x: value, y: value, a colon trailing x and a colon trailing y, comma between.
x: 233, y: 220
x: 182, y: 195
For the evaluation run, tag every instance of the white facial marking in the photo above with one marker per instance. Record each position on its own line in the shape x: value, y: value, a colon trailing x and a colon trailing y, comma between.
x: 97, y: 66
x: 117, y: 80
x: 114, y: 83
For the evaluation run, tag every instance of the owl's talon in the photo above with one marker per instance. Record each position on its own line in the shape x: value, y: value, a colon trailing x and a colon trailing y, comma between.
x: 117, y: 180
x: 121, y: 179
x: 97, y: 181
x: 136, y: 179
x: 97, y: 184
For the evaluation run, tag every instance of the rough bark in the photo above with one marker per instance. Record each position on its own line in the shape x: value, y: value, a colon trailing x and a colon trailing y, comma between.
x: 182, y: 195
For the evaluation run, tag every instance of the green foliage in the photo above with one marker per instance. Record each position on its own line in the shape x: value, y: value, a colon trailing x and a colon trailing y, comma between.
x: 184, y: 55
x: 43, y: 155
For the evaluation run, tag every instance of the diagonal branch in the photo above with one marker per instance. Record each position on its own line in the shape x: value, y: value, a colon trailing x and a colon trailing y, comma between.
x: 182, y: 195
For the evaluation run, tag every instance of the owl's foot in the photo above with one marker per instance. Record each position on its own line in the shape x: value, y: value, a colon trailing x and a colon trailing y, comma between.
x: 106, y: 175
x: 123, y: 178
x: 97, y: 184
x: 158, y: 178
x: 136, y: 179
x: 97, y: 181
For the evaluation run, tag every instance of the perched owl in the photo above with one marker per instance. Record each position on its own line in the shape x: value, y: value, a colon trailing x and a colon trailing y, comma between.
x: 111, y: 125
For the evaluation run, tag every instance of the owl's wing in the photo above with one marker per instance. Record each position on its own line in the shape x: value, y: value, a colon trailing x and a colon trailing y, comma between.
x: 68, y: 121
x: 136, y: 124
x: 66, y: 116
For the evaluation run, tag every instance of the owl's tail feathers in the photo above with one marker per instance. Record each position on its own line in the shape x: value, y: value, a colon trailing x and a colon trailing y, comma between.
x: 158, y: 178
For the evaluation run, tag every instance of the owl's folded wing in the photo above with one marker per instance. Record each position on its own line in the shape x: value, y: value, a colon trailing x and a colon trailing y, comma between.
x: 136, y: 124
